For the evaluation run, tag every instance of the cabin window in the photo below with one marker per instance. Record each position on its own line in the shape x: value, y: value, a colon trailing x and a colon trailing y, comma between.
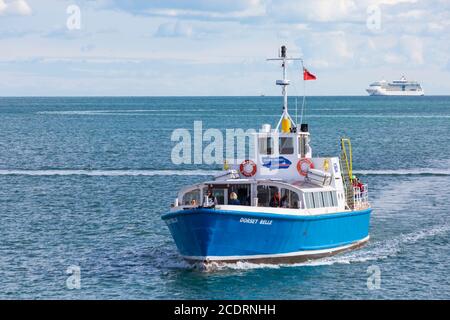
x: 265, y: 145
x: 220, y: 195
x: 265, y: 194
x: 191, y: 198
x: 334, y: 198
x: 302, y: 146
x: 289, y: 199
x: 318, y: 201
x: 327, y: 200
x: 219, y: 192
x: 286, y: 145
x: 243, y: 192
x: 309, y: 201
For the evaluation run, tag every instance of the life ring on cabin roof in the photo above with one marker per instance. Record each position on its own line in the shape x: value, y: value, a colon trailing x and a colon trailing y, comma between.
x: 248, y: 168
x: 303, y: 165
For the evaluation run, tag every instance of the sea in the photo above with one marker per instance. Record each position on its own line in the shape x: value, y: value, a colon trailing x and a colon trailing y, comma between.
x: 84, y: 182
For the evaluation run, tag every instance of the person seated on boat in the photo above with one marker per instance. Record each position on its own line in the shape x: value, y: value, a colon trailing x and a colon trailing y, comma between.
x: 284, y: 203
x: 193, y: 202
x: 275, y: 201
x: 234, y: 199
x: 212, y: 200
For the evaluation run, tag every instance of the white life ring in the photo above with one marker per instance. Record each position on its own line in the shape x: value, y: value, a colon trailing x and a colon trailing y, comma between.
x: 304, y: 165
x: 248, y: 168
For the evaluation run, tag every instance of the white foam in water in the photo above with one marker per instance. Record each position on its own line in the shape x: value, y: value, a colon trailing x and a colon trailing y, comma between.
x: 387, y: 248
x: 378, y: 250
x: 110, y: 172
x: 179, y: 112
x: 114, y: 111
x: 405, y: 172
x: 122, y: 111
x: 88, y: 112
x: 386, y: 202
x: 137, y: 172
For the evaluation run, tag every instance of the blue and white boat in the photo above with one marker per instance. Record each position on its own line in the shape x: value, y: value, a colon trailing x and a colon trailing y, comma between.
x: 290, y: 206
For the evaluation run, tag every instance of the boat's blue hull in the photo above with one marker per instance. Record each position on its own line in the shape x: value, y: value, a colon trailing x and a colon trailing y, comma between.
x: 218, y: 235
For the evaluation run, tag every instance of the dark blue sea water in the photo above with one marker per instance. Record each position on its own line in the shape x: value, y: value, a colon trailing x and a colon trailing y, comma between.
x: 84, y: 181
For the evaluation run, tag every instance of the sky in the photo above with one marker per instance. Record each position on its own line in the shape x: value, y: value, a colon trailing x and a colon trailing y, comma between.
x: 219, y: 47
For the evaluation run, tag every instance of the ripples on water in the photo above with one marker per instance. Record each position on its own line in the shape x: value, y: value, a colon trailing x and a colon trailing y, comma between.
x: 79, y: 189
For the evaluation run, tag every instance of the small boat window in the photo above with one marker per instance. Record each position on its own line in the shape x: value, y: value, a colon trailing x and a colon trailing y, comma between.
x: 302, y: 146
x: 220, y: 195
x: 309, y: 201
x: 265, y: 194
x: 286, y: 145
x: 289, y: 199
x: 191, y: 198
x: 218, y: 192
x: 334, y: 198
x: 320, y: 199
x: 265, y: 145
x: 243, y: 193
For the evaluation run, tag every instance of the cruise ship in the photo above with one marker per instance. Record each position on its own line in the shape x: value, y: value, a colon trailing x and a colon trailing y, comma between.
x: 400, y: 87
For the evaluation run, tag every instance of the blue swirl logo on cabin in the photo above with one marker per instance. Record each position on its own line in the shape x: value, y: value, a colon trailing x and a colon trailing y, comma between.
x: 276, y: 163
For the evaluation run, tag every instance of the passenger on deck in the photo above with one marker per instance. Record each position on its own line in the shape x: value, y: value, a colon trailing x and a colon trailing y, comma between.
x: 234, y: 199
x: 212, y: 200
x: 193, y: 202
x: 275, y: 201
x: 354, y: 181
x: 359, y: 185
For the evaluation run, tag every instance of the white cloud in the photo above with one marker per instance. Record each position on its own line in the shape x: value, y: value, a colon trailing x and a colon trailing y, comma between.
x: 412, y: 47
x: 312, y: 10
x: 15, y: 7
x: 328, y: 49
x: 412, y: 14
x: 200, y: 9
x: 3, y: 6
x: 393, y: 2
x: 174, y: 30
x: 393, y: 58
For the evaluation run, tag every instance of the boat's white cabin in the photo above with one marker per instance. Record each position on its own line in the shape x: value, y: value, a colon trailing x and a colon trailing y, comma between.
x: 301, y: 197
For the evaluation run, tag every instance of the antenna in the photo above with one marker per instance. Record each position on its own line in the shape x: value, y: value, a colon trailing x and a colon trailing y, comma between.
x: 284, y: 83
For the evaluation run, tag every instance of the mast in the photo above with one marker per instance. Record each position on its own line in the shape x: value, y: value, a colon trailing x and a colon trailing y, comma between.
x: 285, y: 119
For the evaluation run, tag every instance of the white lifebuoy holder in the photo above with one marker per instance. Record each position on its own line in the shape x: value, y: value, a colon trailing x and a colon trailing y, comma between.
x: 303, y: 166
x: 248, y: 168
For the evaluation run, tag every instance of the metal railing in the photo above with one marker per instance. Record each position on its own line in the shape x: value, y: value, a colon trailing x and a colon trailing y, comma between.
x: 361, y: 197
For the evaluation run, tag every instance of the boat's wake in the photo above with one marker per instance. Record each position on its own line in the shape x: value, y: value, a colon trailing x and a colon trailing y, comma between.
x: 405, y: 172
x: 108, y: 173
x: 168, y: 172
x: 373, y: 251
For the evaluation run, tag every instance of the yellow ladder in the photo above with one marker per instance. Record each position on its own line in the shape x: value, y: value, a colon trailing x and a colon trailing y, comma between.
x: 346, y: 161
x: 346, y: 149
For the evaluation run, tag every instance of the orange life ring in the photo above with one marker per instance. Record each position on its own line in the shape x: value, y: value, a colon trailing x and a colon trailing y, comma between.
x: 248, y: 168
x: 303, y: 165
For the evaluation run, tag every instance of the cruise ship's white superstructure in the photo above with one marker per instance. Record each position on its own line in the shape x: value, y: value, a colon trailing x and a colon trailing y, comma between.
x: 400, y: 87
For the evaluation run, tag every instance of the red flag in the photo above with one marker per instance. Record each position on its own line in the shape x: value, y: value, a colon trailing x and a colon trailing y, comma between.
x: 307, y: 75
